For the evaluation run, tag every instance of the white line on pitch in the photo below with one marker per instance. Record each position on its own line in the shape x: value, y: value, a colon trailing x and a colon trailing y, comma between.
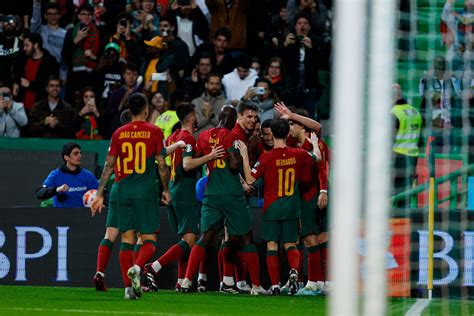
x: 90, y: 311
x: 418, y: 307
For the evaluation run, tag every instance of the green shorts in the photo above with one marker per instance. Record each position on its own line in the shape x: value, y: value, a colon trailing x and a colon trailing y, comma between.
x: 112, y: 217
x: 283, y: 230
x: 233, y: 209
x: 313, y: 219
x: 140, y: 215
x: 183, y: 219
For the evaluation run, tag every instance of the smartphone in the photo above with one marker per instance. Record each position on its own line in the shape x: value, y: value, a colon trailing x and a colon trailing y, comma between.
x: 7, y: 97
x: 258, y: 90
x: 158, y: 76
x: 299, y: 38
x: 82, y: 27
x: 184, y: 2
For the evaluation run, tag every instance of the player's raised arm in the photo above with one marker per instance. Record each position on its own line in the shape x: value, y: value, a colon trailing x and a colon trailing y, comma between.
x: 98, y: 202
x: 172, y: 148
x: 190, y: 163
x: 246, y: 162
x: 315, y: 142
x: 287, y: 114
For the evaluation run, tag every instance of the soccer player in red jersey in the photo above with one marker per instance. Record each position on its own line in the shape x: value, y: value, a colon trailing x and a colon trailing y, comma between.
x: 282, y: 169
x: 133, y: 150
x: 313, y: 191
x: 183, y: 212
x: 224, y: 200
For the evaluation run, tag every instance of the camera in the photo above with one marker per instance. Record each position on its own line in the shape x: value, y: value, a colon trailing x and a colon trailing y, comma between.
x: 10, y: 19
x: 158, y: 76
x: 299, y: 38
x: 184, y: 2
x: 7, y: 97
x: 165, y: 33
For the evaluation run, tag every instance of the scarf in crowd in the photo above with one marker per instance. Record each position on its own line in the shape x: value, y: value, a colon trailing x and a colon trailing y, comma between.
x: 276, y: 79
x: 89, y: 129
x: 79, y: 60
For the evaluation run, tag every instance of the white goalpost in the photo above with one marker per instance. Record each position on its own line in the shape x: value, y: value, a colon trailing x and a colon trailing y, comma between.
x: 357, y: 126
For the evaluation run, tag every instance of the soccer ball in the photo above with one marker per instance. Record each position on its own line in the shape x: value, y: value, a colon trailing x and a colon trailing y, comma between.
x: 88, y: 197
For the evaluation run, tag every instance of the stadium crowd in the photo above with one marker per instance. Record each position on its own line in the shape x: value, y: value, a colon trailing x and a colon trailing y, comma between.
x: 82, y: 69
x: 69, y: 65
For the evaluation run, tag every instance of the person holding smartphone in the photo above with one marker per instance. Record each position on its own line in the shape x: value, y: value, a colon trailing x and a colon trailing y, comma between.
x: 89, y: 115
x: 12, y: 114
x: 263, y: 96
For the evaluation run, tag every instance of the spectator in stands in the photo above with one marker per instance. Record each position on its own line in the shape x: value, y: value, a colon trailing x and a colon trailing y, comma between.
x: 262, y: 95
x: 88, y: 115
x: 158, y: 106
x: 460, y: 27
x: 12, y: 114
x: 126, y: 39
x: 209, y: 104
x: 238, y: 81
x: 439, y: 107
x: 194, y: 84
x: 299, y: 51
x: 52, y: 34
x: 116, y: 102
x: 109, y: 72
x: 146, y: 22
x: 80, y: 51
x: 160, y: 63
x: 231, y: 14
x: 277, y: 27
x: 52, y: 117
x: 177, y: 50
x: 282, y: 85
x: 222, y: 60
x: 255, y: 65
x: 10, y: 48
x: 191, y: 24
x: 32, y: 70
x: 68, y: 183
x: 406, y: 139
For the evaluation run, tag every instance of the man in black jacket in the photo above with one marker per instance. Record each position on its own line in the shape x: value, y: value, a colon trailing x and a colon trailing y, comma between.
x: 32, y: 70
x: 299, y: 51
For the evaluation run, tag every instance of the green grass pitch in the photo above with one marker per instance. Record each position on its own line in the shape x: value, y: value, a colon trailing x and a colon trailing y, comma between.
x: 35, y: 300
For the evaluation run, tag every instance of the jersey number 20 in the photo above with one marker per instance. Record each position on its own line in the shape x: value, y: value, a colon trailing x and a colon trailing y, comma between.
x: 286, y: 182
x: 136, y: 154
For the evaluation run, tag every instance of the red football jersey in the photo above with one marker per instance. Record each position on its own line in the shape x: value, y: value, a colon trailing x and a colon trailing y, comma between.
x: 282, y: 169
x: 135, y: 146
x: 177, y: 156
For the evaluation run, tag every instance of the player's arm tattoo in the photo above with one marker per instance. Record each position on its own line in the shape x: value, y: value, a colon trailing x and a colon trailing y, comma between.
x: 106, y: 174
x: 163, y: 171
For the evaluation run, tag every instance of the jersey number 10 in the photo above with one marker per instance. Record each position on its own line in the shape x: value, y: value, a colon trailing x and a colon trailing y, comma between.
x: 286, y: 182
x: 136, y: 154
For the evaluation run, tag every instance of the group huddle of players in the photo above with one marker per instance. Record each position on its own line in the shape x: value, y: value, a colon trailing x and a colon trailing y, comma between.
x: 285, y: 153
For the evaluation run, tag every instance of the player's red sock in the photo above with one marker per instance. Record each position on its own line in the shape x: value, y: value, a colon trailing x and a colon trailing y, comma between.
x: 147, y: 251
x: 240, y: 268
x: 136, y: 251
x: 220, y: 263
x: 204, y: 265
x: 103, y: 255
x: 126, y: 261
x: 182, y: 265
x: 324, y: 259
x: 197, y: 254
x: 174, y: 253
x: 300, y: 248
x: 315, y: 272
x: 252, y: 263
x: 273, y: 267
x: 293, y: 257
x: 229, y: 257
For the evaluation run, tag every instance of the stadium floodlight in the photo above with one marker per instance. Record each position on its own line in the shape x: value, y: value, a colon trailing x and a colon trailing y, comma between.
x: 346, y: 192
x: 381, y: 64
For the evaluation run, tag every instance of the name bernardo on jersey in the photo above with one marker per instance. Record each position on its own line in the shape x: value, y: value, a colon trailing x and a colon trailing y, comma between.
x: 286, y: 162
x: 134, y: 134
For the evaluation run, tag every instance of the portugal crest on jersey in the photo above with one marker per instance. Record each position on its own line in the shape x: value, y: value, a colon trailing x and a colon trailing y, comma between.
x: 189, y: 148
